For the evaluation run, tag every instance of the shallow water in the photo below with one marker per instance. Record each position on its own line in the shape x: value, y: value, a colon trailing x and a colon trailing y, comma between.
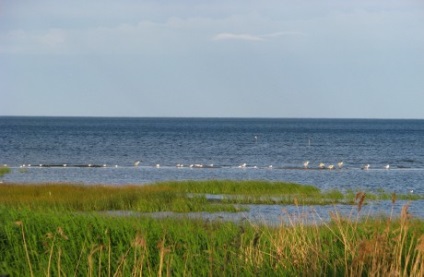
x: 275, y: 215
x: 401, y: 181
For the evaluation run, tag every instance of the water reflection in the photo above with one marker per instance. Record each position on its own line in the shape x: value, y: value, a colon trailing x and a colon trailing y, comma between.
x: 275, y: 215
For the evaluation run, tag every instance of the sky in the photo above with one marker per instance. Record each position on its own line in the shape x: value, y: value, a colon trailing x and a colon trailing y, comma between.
x: 212, y: 58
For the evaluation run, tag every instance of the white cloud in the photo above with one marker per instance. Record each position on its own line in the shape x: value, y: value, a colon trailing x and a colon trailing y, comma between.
x: 250, y: 37
x: 281, y: 34
x: 53, y: 38
x: 30, y: 42
x: 230, y: 36
x: 183, y: 31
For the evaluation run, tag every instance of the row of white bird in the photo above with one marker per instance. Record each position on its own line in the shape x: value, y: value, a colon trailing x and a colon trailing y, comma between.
x: 306, y: 165
x: 367, y: 166
x: 339, y: 165
x: 323, y: 165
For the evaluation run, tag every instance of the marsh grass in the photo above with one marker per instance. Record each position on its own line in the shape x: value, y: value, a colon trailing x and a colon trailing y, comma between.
x: 100, y: 198
x: 233, y: 187
x: 52, y: 243
x: 4, y: 170
x: 41, y: 234
x: 169, y: 196
x: 184, y: 196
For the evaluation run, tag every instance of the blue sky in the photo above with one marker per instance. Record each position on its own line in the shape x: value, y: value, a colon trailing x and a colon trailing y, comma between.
x: 285, y: 58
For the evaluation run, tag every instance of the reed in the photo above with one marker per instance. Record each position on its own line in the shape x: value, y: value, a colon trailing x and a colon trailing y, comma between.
x: 68, y: 243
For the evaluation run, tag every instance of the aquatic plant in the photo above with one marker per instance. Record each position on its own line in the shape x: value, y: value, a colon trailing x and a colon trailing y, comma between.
x: 252, y: 187
x: 4, y: 170
x: 103, y: 198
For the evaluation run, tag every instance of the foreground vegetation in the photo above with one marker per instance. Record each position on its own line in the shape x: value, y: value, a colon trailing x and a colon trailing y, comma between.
x: 52, y: 243
x: 55, y: 230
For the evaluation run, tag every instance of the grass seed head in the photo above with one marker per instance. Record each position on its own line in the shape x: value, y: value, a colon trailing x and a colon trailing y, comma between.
x: 139, y: 241
x: 61, y: 233
x: 360, y: 198
x: 420, y: 245
x: 404, y: 214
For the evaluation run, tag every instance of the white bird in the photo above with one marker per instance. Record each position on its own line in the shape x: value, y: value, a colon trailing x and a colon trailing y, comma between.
x: 116, y: 165
x: 387, y: 166
x: 104, y: 165
x: 242, y: 165
x: 157, y: 165
x: 366, y: 167
x: 270, y: 166
x: 136, y: 163
x: 331, y: 166
x: 305, y: 164
x: 321, y: 165
x: 340, y: 164
x: 411, y: 191
x: 65, y: 165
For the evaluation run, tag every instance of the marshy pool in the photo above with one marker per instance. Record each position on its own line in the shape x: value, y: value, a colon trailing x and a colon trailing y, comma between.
x: 291, y: 214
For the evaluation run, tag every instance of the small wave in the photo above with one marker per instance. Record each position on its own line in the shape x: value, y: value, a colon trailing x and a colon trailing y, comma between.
x: 408, y: 160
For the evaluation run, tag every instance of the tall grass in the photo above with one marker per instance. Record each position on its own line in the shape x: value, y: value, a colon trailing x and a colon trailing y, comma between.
x: 51, y: 243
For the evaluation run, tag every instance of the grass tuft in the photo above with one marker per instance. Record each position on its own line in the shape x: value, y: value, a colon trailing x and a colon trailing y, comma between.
x: 4, y: 170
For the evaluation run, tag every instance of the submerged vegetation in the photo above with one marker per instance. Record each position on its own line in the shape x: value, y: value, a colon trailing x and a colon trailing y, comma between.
x: 54, y: 230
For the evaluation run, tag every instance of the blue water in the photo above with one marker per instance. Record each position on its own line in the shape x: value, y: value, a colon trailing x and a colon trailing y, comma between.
x: 226, y: 143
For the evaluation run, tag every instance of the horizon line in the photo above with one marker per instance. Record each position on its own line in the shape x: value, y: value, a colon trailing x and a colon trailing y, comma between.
x: 209, y: 117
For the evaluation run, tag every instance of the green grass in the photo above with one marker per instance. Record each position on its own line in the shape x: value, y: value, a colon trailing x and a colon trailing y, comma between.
x: 65, y: 243
x: 185, y: 196
x: 4, y: 170
x: 239, y: 187
x: 100, y: 198
x: 55, y: 230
